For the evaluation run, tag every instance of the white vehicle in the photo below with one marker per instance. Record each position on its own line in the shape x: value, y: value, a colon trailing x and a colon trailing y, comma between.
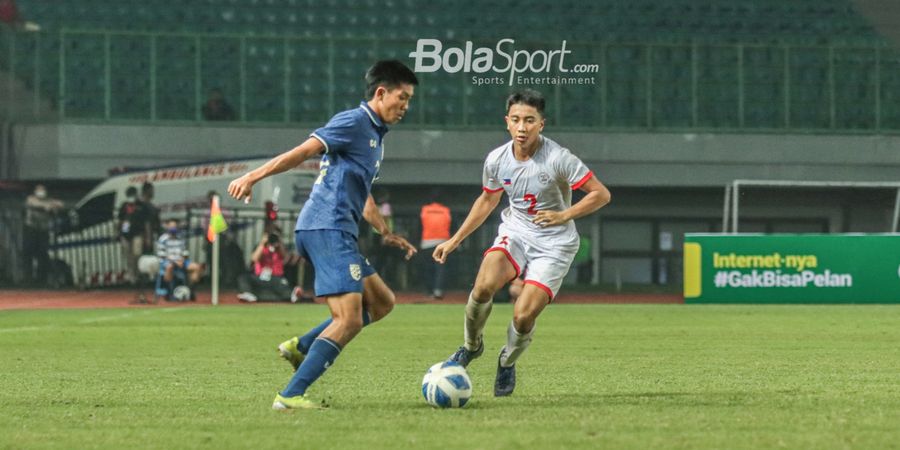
x: 179, y: 188
x: 90, y: 245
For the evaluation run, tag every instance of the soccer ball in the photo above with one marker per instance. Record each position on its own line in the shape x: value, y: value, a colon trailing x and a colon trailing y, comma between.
x: 181, y: 293
x: 447, y: 385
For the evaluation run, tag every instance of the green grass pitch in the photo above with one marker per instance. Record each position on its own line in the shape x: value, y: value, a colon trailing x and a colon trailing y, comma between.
x: 596, y: 376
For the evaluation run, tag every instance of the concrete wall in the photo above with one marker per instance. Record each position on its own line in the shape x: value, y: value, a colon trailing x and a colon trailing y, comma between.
x: 663, y: 184
x: 85, y: 151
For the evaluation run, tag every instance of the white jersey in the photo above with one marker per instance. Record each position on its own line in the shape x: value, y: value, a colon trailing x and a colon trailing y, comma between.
x: 544, y: 182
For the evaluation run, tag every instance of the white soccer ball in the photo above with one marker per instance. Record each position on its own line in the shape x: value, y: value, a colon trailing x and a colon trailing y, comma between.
x: 447, y: 385
x: 181, y: 293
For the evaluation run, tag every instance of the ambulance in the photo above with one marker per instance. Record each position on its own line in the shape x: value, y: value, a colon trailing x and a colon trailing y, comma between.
x: 90, y: 245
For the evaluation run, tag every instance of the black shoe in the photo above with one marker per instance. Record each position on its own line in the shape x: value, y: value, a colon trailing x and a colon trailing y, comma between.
x: 464, y: 356
x: 505, y: 382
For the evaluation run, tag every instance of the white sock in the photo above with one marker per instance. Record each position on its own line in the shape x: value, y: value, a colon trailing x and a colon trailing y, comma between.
x: 516, y: 343
x: 476, y: 316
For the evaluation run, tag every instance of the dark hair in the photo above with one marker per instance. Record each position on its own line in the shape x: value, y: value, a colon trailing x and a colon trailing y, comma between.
x: 390, y: 74
x: 528, y: 97
x: 131, y: 191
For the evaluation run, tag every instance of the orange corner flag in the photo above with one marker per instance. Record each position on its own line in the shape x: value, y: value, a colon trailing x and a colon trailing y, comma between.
x: 216, y: 220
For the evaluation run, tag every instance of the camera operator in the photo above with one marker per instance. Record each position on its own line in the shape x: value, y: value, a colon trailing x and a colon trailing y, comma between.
x: 267, y: 282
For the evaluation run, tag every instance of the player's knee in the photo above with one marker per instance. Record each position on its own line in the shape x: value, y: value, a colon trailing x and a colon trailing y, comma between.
x: 382, y: 305
x: 387, y: 300
x: 483, y: 292
x: 523, y: 322
x: 351, y: 325
x: 387, y: 305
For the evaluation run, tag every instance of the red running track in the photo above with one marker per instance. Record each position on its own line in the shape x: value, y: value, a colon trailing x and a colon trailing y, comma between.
x: 124, y: 298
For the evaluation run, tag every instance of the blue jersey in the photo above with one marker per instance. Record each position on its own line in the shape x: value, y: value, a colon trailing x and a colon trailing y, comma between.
x: 353, y: 153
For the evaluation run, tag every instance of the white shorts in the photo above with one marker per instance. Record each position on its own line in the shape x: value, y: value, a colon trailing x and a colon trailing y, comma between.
x: 545, y: 264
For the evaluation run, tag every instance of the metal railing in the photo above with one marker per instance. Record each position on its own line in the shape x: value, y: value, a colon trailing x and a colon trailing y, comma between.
x: 94, y: 254
x: 152, y: 77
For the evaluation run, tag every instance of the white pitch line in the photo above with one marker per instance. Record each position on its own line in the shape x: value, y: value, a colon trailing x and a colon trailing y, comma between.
x: 90, y: 321
x: 13, y: 330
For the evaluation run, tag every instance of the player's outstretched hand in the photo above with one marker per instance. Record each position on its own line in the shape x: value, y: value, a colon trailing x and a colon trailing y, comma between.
x: 241, y: 188
x: 549, y: 218
x: 443, y: 250
x: 399, y: 242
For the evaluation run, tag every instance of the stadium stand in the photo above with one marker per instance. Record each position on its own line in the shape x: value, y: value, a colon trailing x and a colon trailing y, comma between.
x: 717, y: 64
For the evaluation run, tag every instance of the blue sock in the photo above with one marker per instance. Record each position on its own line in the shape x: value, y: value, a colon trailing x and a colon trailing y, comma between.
x: 322, y: 354
x: 307, y: 339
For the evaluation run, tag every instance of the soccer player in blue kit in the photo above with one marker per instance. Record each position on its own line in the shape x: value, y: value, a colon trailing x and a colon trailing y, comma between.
x: 328, y: 225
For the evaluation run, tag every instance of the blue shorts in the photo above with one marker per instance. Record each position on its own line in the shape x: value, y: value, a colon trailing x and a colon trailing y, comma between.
x: 165, y: 263
x: 335, y: 257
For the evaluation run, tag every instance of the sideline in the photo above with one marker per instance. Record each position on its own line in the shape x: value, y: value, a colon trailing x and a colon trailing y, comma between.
x: 122, y: 316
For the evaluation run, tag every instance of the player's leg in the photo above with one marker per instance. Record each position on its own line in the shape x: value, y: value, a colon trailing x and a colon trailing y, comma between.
x: 544, y: 278
x: 346, y: 313
x: 378, y: 298
x: 339, y: 268
x: 528, y: 306
x: 378, y: 301
x: 498, y: 267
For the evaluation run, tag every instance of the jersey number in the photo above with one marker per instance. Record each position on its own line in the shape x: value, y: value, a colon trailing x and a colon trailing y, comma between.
x: 531, y: 198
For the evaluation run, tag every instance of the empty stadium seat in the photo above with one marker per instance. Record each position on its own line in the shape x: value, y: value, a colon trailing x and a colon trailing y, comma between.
x: 698, y: 37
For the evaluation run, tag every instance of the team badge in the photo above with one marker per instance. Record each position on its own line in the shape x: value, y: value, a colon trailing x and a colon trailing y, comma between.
x: 355, y: 271
x: 544, y: 178
x: 372, y: 143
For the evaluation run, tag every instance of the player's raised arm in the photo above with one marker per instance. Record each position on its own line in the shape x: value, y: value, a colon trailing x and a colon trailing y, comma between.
x: 481, y: 209
x: 242, y: 188
x: 374, y: 217
x: 597, y: 197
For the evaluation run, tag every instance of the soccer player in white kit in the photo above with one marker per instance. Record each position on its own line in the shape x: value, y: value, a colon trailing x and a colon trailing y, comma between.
x: 537, y: 235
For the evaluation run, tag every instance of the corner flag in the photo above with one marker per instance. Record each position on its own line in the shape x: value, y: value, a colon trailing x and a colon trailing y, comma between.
x: 216, y: 220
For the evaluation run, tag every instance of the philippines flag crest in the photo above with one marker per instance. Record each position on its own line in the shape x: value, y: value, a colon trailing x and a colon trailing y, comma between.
x: 507, y: 181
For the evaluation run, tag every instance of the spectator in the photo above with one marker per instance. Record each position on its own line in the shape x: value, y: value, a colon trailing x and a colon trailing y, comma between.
x: 172, y: 252
x: 131, y: 226
x: 435, y: 219
x: 39, y: 211
x: 216, y: 107
x: 149, y: 214
x: 267, y: 282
